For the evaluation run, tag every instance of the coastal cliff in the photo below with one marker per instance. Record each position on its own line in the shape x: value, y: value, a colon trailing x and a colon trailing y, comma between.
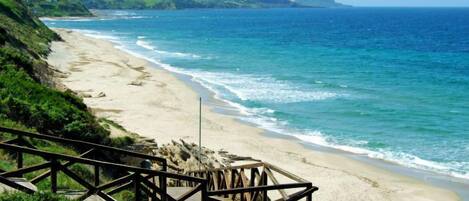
x: 185, y: 4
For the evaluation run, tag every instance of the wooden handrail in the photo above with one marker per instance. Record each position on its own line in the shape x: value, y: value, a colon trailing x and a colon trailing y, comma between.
x: 100, y: 163
x: 81, y: 143
x: 284, y: 172
x: 233, y: 182
x: 247, y: 166
x: 259, y: 188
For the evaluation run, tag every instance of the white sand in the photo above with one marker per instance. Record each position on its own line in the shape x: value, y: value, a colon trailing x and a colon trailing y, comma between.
x: 166, y: 109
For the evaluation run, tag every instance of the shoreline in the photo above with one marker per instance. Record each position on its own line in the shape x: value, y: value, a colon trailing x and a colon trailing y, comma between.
x: 456, y: 184
x: 161, y: 104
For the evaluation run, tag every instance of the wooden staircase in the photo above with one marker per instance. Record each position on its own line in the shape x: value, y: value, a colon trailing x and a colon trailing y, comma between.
x: 231, y: 183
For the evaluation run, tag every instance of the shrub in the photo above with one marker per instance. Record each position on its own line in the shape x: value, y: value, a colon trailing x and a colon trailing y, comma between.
x: 122, y: 141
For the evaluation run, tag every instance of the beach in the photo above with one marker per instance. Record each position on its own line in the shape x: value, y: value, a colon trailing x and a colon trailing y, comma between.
x: 154, y: 103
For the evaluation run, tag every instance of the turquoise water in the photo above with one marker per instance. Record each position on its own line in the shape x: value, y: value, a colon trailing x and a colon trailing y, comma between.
x: 388, y: 83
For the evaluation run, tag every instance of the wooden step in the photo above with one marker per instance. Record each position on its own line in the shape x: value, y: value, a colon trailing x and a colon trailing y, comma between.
x: 20, y: 181
x: 176, y: 192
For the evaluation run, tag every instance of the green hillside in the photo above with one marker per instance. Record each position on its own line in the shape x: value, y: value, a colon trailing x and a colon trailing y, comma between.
x: 63, y: 8
x: 58, y: 8
x: 184, y: 4
x: 26, y: 100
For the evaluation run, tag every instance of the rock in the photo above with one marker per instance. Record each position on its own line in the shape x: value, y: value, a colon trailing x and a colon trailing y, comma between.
x: 84, y: 95
x: 101, y: 94
x: 136, y: 83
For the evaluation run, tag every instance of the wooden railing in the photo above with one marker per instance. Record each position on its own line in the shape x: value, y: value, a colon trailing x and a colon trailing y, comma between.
x: 225, y: 183
x: 233, y: 183
x: 140, y: 179
x: 88, y: 146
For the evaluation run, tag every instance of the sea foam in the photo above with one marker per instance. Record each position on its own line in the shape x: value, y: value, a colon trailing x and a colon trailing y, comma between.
x: 269, y: 89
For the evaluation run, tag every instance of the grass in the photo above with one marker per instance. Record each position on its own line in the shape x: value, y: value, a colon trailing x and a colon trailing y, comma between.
x: 40, y: 196
x: 28, y: 104
x: 107, y: 123
x: 8, y: 163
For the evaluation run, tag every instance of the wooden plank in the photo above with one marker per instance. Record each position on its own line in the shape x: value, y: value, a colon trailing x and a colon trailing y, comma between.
x: 100, y: 163
x: 26, y: 170
x: 115, y: 182
x: 259, y: 188
x: 80, y: 143
x: 301, y: 194
x: 190, y: 193
x: 105, y: 196
x: 19, y: 160
x: 67, y: 164
x: 275, y: 181
x: 53, y: 175
x: 245, y: 183
x: 136, y: 178
x: 247, y: 166
x: 16, y: 186
x: 157, y: 190
x: 120, y: 188
x: 227, y: 178
x: 285, y: 173
x: 96, y: 175
x: 259, y: 183
x: 215, y: 180
x: 77, y: 178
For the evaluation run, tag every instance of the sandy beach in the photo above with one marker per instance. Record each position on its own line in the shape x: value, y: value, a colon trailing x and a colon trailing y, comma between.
x: 156, y: 104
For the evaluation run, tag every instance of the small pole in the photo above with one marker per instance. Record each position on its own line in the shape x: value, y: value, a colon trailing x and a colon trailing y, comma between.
x: 200, y: 132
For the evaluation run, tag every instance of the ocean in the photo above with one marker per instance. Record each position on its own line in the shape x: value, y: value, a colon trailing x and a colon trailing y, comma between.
x: 387, y: 83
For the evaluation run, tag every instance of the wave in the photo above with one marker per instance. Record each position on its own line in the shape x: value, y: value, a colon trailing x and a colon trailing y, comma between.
x: 148, y: 46
x: 408, y: 160
x: 262, y: 117
x: 70, y: 19
x: 272, y: 90
x: 145, y: 44
x: 267, y: 89
x: 98, y: 35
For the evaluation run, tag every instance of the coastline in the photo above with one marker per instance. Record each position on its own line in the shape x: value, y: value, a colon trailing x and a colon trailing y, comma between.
x: 155, y: 103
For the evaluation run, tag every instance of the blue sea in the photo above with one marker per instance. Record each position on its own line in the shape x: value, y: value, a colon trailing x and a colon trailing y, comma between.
x: 388, y: 83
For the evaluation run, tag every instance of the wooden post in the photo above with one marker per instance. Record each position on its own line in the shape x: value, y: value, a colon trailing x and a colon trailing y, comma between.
x: 204, y: 190
x: 53, y: 175
x: 309, y: 197
x: 19, y: 159
x: 137, y: 186
x: 264, y: 182
x: 163, y: 188
x: 96, y: 175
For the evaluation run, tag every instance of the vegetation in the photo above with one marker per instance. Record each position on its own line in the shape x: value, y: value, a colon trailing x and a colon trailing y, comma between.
x: 58, y: 8
x: 28, y: 103
x: 183, y: 4
x: 63, y: 182
x: 23, y: 99
x: 40, y: 196
x: 62, y: 8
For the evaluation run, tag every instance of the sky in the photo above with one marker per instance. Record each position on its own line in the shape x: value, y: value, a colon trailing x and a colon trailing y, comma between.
x: 408, y: 3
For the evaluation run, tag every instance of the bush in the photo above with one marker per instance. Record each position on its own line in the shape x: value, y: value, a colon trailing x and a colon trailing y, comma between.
x: 122, y: 141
